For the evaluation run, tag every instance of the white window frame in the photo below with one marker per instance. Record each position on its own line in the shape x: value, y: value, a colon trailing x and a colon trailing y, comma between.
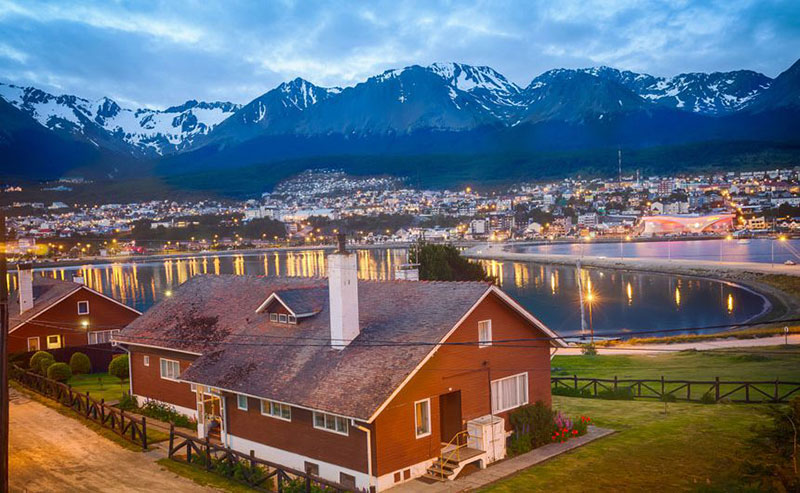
x: 427, y: 432
x: 334, y: 419
x: 87, y: 307
x: 292, y: 319
x: 38, y: 343
x: 497, y: 392
x: 172, y: 363
x: 107, y: 335
x: 273, y: 317
x: 239, y: 401
x: 58, y: 344
x: 283, y: 318
x: 275, y: 409
x: 484, y: 340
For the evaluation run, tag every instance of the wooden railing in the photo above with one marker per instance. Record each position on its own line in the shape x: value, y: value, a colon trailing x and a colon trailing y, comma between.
x: 132, y: 428
x: 259, y: 474
x: 751, y: 392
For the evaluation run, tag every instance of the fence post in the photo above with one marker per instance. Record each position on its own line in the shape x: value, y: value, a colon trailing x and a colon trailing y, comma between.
x: 716, y: 386
x: 122, y: 422
x: 308, y: 484
x: 662, y: 386
x: 776, y: 390
x: 252, y: 459
x: 171, y: 439
x: 615, y: 383
x: 144, y: 433
x: 747, y: 392
x: 208, y: 455
x: 87, y: 403
x: 575, y: 379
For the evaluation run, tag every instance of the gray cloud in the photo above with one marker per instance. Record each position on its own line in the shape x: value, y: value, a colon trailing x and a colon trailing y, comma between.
x: 160, y: 53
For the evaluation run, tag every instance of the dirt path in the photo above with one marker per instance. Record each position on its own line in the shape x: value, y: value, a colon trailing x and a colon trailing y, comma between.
x: 51, y: 452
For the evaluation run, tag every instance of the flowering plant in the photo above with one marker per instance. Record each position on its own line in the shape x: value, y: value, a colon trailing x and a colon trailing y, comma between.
x: 565, y: 427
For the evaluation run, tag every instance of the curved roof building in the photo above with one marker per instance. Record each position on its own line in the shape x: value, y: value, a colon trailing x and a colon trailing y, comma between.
x: 686, y: 224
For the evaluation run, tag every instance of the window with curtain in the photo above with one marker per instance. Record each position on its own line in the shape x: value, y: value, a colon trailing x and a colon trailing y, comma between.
x: 509, y: 392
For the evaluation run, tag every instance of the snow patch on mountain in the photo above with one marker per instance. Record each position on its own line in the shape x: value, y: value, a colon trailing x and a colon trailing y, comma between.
x: 158, y: 131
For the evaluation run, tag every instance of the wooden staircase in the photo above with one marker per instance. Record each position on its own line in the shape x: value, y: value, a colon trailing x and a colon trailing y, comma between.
x: 452, y: 459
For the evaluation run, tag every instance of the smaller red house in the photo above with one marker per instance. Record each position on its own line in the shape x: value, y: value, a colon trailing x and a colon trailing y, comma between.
x: 50, y: 314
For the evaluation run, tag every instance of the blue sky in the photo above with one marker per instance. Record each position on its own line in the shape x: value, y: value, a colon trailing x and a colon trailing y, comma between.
x: 158, y: 54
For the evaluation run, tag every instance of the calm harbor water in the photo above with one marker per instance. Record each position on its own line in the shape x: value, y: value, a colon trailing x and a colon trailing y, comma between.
x: 751, y: 250
x: 622, y: 301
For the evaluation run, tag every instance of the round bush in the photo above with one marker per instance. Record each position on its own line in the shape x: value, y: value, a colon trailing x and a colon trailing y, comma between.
x: 44, y: 364
x: 119, y: 367
x: 59, y: 372
x: 35, y: 361
x: 80, y: 363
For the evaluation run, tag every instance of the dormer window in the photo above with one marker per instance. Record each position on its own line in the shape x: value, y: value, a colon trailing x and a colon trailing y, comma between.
x: 282, y: 318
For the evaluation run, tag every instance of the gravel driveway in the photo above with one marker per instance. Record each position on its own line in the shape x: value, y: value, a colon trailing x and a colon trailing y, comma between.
x: 51, y: 452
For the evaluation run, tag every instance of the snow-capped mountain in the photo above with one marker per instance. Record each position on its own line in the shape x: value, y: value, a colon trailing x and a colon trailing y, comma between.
x: 145, y: 130
x: 439, y: 109
x: 576, y: 96
x: 275, y: 111
x: 717, y: 93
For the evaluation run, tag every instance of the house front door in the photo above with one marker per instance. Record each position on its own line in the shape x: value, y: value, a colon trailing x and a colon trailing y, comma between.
x: 450, y: 415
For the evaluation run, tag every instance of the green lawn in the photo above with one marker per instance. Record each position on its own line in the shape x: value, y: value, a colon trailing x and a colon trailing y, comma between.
x: 755, y: 363
x: 99, y: 386
x: 693, y: 446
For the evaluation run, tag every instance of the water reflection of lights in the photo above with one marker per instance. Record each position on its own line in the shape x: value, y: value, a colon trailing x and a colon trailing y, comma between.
x: 629, y: 292
x: 678, y: 296
x: 730, y: 303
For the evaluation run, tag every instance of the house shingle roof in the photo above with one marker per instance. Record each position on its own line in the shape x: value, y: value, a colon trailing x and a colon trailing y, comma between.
x: 46, y: 291
x: 242, y: 351
x: 304, y: 300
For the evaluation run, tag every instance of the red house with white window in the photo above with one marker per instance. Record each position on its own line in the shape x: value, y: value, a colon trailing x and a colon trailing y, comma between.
x: 366, y: 383
x: 48, y: 313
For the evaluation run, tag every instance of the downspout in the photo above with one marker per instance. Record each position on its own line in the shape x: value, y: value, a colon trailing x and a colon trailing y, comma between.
x: 130, y: 370
x: 372, y: 487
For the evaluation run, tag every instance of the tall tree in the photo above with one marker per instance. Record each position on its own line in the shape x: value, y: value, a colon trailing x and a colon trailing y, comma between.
x: 445, y: 263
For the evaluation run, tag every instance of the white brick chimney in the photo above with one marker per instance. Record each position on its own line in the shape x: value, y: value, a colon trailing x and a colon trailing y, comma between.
x: 343, y: 295
x: 25, y: 277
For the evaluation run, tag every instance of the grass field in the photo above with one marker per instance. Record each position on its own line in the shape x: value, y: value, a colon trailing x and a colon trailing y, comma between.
x: 757, y: 363
x: 99, y: 386
x: 691, y: 447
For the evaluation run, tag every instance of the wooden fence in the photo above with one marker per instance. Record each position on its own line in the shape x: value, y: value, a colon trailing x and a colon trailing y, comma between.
x: 130, y: 427
x: 764, y: 391
x: 257, y: 473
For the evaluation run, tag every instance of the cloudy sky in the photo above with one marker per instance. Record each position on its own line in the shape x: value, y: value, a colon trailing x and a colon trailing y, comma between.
x: 157, y: 54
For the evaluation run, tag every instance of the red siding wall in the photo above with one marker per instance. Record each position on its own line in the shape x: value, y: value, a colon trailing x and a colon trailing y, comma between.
x: 147, y: 381
x: 104, y: 314
x: 464, y: 368
x: 298, y: 436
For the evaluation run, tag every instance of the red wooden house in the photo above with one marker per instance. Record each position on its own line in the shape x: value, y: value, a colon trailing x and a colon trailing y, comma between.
x: 50, y: 314
x: 365, y: 383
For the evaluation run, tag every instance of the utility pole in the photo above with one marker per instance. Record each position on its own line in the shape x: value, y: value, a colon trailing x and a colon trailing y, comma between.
x: 3, y: 357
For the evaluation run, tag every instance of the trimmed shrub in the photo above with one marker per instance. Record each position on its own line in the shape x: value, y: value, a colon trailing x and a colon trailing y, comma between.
x: 119, y: 367
x: 571, y: 392
x: 79, y: 363
x: 35, y: 362
x: 535, y: 421
x: 589, y: 350
x: 708, y: 398
x: 44, y: 364
x: 59, y: 372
